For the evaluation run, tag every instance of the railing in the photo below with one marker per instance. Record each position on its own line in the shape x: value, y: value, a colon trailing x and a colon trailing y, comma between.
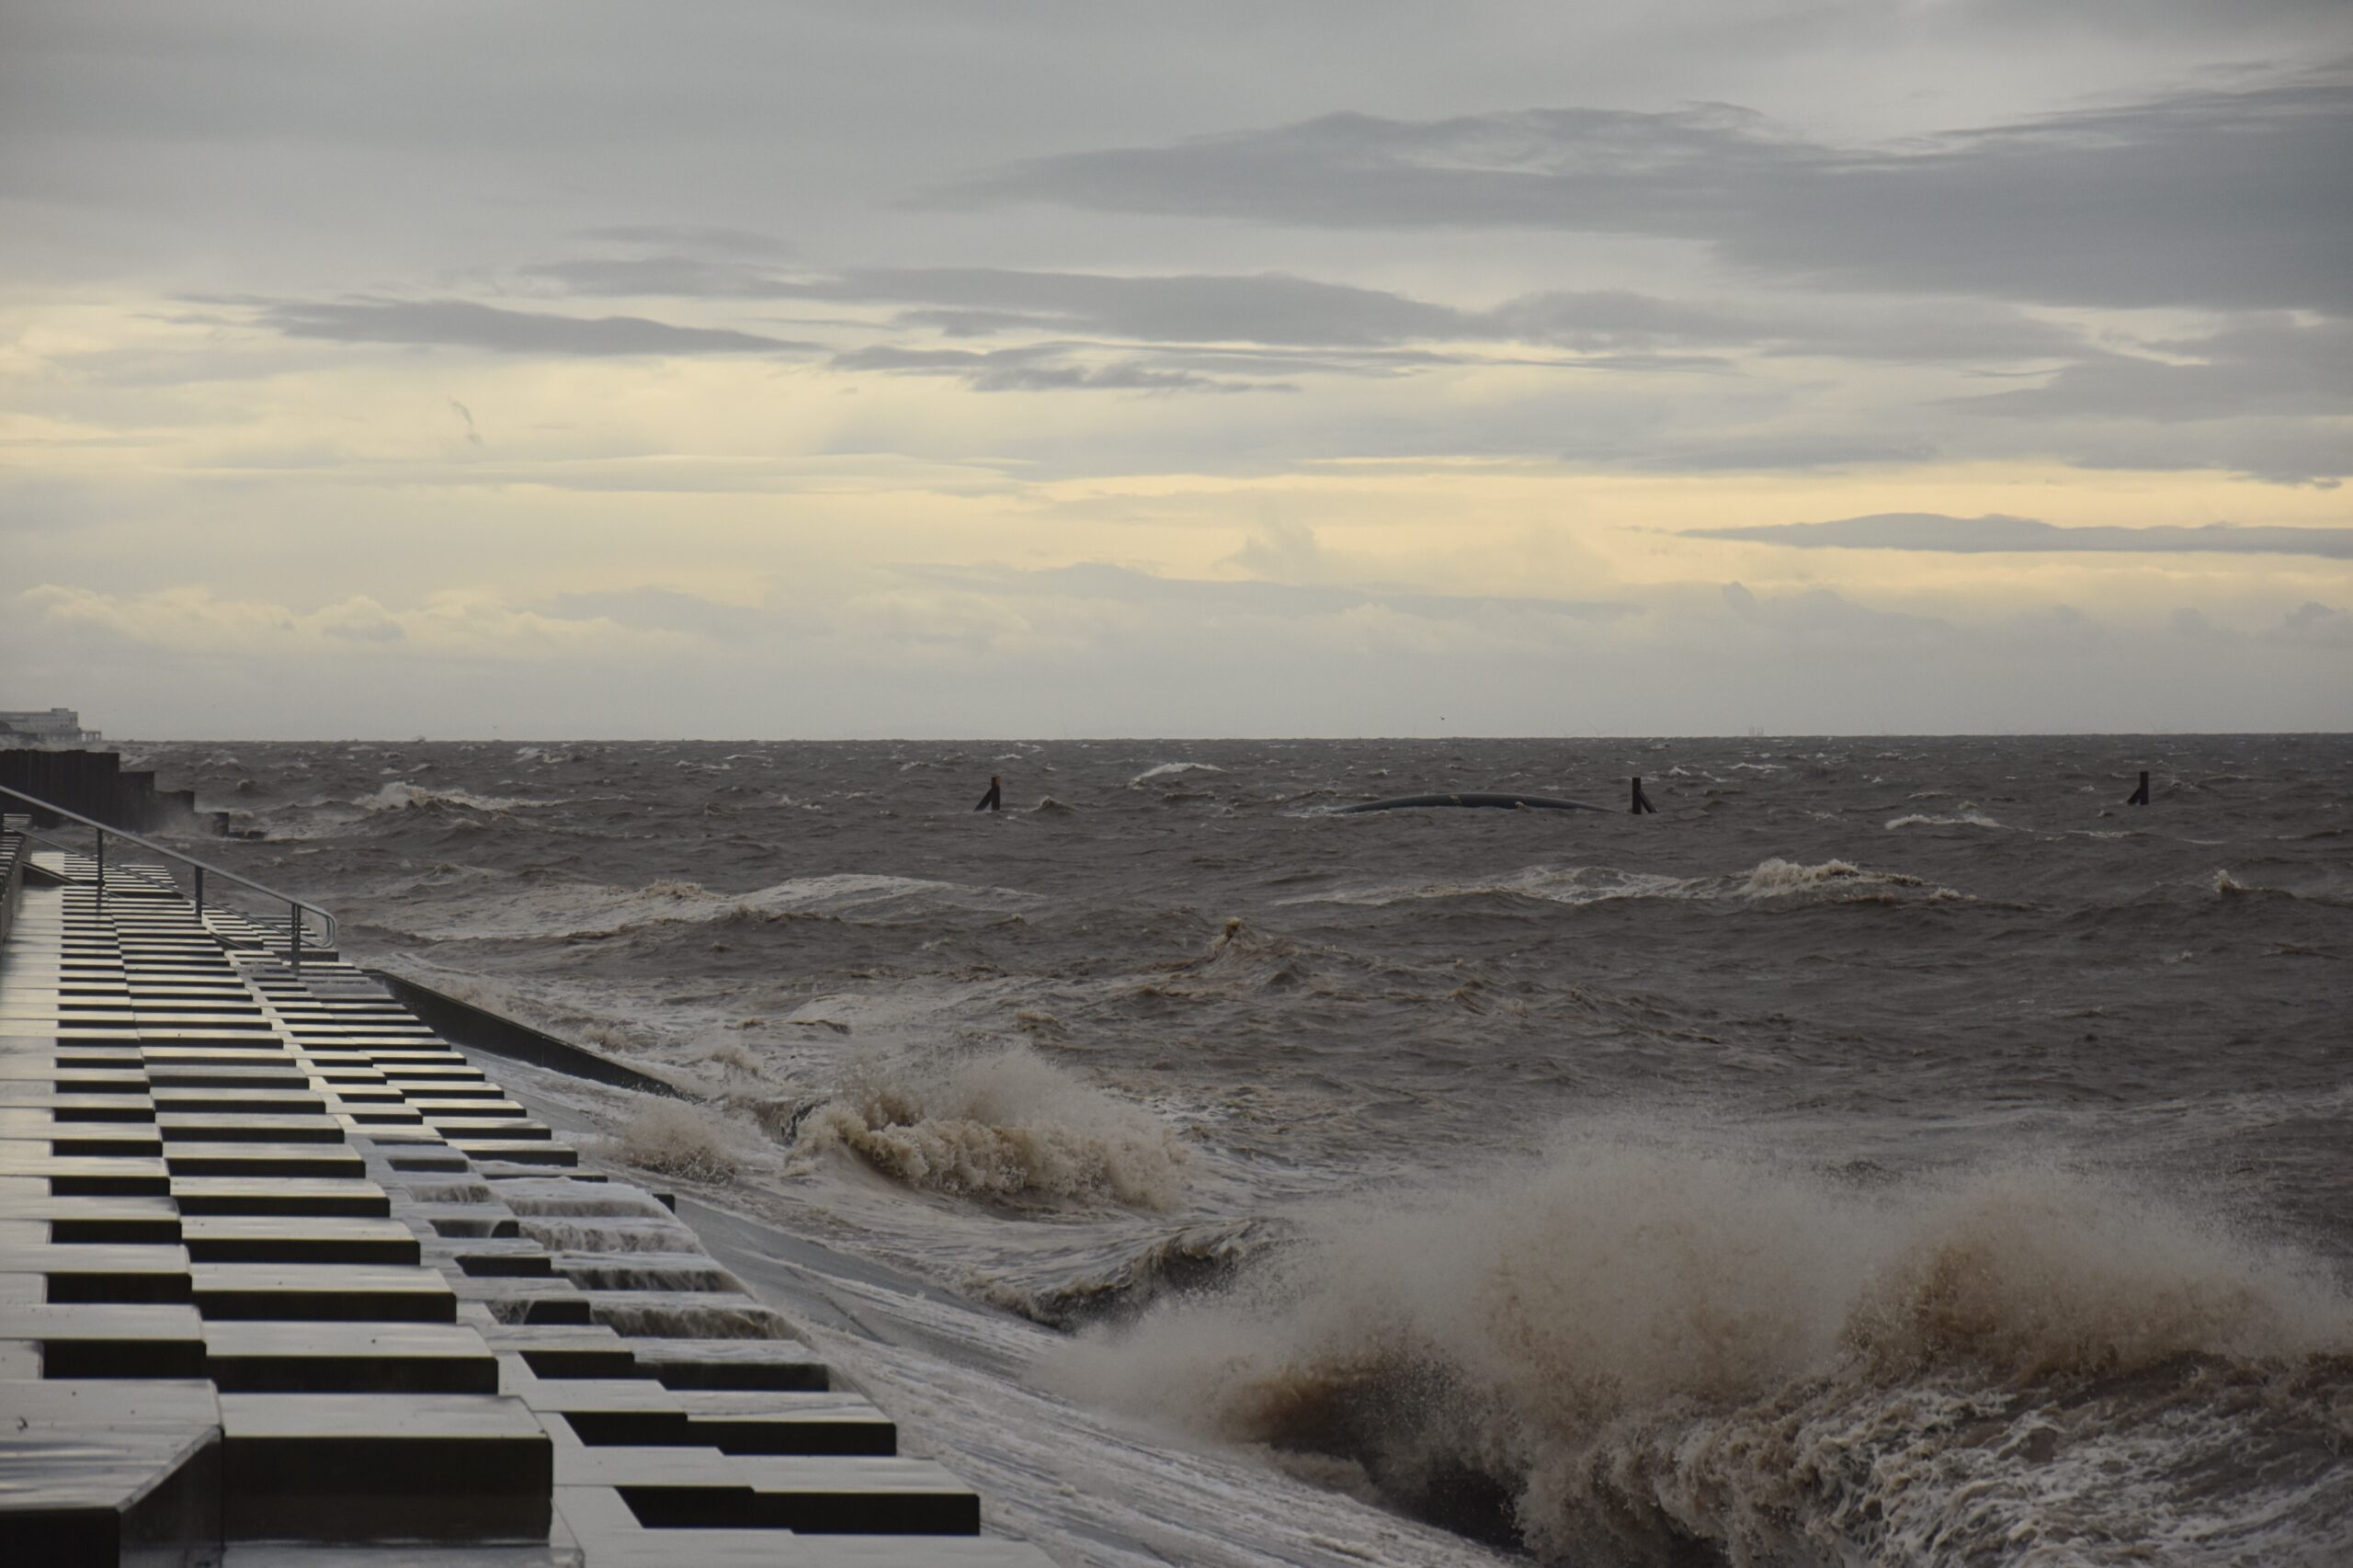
x: 295, y: 909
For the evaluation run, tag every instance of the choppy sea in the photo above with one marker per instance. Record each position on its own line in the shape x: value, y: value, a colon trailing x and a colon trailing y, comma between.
x: 1893, y: 1151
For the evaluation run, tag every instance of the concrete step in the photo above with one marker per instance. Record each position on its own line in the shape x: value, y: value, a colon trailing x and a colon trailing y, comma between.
x: 98, y: 1176
x: 556, y: 1351
x: 741, y: 1364
x: 102, y: 1471
x: 241, y: 1101
x: 492, y: 1257
x: 104, y: 1219
x: 249, y: 1128
x: 351, y: 1196
x: 85, y: 1341
x: 679, y: 1488
x: 642, y: 1415
x: 340, y: 1467
x: 524, y: 1300
x: 615, y: 1537
x: 348, y: 1358
x: 246, y: 1238
x: 322, y: 1293
x: 301, y: 1160
x: 117, y: 1276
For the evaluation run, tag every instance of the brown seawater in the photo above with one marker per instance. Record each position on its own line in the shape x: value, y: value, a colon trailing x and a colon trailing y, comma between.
x: 1897, y: 1150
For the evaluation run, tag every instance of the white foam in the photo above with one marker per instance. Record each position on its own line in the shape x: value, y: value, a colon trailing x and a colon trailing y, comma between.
x: 1641, y: 1339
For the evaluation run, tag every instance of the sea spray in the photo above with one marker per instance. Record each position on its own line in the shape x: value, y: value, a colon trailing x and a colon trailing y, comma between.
x: 1005, y: 1125
x: 1636, y: 1348
x: 673, y: 1138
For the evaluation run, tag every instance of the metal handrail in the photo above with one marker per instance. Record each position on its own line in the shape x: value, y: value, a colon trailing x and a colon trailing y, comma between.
x: 295, y: 908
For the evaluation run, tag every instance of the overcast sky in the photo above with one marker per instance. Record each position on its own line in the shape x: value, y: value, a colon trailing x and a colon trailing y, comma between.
x: 1331, y: 366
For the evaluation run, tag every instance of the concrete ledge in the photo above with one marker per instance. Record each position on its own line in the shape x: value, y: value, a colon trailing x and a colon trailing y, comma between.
x: 462, y: 1023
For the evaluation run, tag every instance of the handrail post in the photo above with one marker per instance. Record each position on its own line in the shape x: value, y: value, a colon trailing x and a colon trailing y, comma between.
x: 294, y: 924
x: 200, y: 894
x: 101, y: 837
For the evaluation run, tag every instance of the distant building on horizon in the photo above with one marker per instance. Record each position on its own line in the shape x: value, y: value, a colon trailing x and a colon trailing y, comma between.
x: 33, y: 727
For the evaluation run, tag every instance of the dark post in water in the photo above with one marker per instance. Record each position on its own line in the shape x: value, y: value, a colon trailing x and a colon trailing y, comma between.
x: 1642, y: 802
x: 2140, y: 796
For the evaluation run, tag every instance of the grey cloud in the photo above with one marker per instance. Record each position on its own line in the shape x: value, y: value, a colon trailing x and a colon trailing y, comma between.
x: 1272, y: 308
x: 1819, y: 614
x: 377, y: 630
x: 666, y: 610
x: 705, y: 237
x: 461, y: 323
x: 1036, y: 368
x: 669, y: 275
x: 952, y: 322
x: 2225, y: 197
x: 1279, y: 310
x: 1269, y: 361
x: 2313, y: 622
x: 2316, y: 452
x: 2268, y: 364
x: 1736, y: 451
x: 1998, y: 534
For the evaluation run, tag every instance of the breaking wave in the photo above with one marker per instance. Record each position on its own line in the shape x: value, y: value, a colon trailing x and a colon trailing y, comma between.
x: 1965, y: 816
x: 1635, y: 1351
x: 1830, y: 881
x: 1192, y: 1260
x: 2229, y: 887
x: 1170, y: 769
x: 554, y: 909
x: 1007, y: 1126
x: 402, y: 797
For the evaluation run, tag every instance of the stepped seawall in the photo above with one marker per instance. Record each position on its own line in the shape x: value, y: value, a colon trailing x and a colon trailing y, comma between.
x: 285, y: 1278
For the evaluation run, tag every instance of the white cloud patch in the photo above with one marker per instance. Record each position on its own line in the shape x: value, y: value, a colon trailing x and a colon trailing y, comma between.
x: 194, y: 619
